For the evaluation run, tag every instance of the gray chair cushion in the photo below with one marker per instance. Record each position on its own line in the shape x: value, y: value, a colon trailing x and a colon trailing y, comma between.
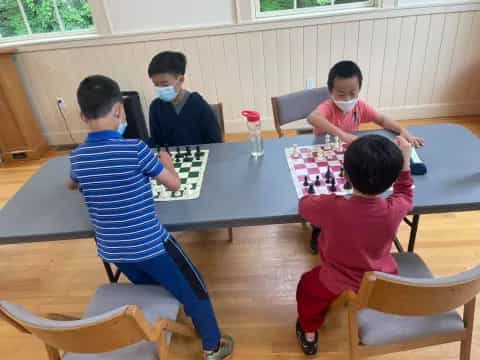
x: 155, y: 303
x: 412, y: 266
x: 377, y: 328
x: 298, y: 105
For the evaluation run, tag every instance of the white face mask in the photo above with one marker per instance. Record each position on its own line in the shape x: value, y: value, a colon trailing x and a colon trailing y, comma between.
x: 345, y: 106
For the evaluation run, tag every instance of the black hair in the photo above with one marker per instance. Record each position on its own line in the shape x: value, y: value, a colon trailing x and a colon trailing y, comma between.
x: 168, y: 62
x: 96, y: 96
x: 373, y: 163
x: 344, y: 69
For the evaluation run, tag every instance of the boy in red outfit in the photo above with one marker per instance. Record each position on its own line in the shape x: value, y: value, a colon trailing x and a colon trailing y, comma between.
x: 357, y: 233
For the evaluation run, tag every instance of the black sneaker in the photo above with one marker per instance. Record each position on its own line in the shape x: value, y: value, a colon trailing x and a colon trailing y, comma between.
x: 308, y: 347
x: 314, y: 239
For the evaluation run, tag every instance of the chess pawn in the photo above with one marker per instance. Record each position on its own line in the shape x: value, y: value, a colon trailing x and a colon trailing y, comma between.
x: 295, y: 153
x: 327, y: 139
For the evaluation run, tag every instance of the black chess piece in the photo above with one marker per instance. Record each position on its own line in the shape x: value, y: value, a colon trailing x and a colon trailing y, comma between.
x: 328, y: 174
x: 333, y: 186
x: 305, y: 181
x: 189, y: 151
x: 311, y: 189
x: 347, y: 185
x: 342, y: 172
x: 317, y: 181
x: 198, y: 153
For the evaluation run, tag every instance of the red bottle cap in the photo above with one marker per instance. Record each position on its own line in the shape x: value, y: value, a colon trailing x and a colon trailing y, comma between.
x: 251, y: 115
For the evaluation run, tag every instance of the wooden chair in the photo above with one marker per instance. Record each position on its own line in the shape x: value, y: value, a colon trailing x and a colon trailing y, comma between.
x: 296, y: 106
x: 110, y: 329
x: 413, y: 310
x: 218, y: 111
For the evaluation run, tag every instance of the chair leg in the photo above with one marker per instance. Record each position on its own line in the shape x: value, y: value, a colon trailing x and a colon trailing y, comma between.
x: 52, y: 353
x: 162, y: 346
x: 353, y: 333
x: 468, y: 317
x: 230, y: 234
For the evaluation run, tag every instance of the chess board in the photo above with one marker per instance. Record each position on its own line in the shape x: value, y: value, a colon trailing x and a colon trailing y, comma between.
x: 315, y: 160
x: 191, y: 169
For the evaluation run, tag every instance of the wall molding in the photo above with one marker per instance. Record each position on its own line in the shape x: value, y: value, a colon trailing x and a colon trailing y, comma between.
x: 247, y: 26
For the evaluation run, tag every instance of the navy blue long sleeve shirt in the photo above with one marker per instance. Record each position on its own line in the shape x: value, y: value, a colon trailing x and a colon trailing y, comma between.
x: 196, y: 123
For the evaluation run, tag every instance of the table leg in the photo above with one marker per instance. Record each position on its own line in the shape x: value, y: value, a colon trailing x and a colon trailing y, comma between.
x: 413, y: 231
x: 113, y: 278
x: 398, y: 245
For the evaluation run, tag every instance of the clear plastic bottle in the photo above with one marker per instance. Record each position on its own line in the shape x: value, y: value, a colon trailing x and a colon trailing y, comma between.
x: 255, y: 132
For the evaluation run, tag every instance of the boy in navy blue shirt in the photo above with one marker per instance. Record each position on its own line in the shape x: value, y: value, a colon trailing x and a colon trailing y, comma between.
x: 177, y: 116
x: 113, y: 175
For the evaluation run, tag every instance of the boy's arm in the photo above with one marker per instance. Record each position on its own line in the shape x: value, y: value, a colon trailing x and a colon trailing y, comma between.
x: 168, y: 176
x: 320, y: 122
x: 394, y: 126
x: 163, y: 171
x: 309, y: 206
x: 402, y: 197
x: 211, y: 127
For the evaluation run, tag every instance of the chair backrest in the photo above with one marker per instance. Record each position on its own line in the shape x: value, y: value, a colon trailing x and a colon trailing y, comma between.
x: 125, y: 326
x: 297, y: 106
x: 399, y: 295
x: 218, y: 111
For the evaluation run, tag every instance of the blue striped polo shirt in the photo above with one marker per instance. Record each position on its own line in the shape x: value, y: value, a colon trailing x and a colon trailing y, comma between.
x: 113, y: 174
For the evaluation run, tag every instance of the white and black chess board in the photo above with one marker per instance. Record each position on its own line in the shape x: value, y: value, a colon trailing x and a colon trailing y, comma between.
x: 318, y: 169
x: 190, y: 165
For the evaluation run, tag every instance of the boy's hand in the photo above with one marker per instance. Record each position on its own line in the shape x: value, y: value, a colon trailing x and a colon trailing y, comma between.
x: 406, y: 149
x: 165, y: 158
x: 348, y: 138
x: 72, y: 185
x: 414, y: 140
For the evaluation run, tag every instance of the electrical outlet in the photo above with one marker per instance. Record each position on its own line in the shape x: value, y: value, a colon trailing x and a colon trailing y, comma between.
x: 310, y: 83
x: 61, y: 103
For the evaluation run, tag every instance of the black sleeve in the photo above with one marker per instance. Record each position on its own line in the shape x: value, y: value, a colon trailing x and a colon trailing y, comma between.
x: 211, y: 132
x: 156, y: 136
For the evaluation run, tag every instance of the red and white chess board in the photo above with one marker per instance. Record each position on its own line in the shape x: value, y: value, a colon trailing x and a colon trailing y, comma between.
x: 315, y: 160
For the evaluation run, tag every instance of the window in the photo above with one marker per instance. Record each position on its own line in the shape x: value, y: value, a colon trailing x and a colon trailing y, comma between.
x: 284, y: 7
x: 29, y: 17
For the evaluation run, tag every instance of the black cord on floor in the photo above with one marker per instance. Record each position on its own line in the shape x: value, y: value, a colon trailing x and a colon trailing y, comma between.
x: 60, y: 110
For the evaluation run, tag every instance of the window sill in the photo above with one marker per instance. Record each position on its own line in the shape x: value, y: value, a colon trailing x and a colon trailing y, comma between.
x: 48, y: 39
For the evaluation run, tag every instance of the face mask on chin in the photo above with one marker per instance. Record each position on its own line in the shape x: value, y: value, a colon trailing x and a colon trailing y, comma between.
x: 345, y: 106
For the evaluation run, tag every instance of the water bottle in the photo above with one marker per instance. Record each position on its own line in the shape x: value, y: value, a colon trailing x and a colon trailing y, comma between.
x: 255, y: 132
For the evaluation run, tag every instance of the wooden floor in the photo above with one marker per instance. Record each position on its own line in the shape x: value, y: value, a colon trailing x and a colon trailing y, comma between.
x: 252, y: 281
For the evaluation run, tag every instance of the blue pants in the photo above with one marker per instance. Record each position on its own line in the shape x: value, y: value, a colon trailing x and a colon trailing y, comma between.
x: 175, y: 272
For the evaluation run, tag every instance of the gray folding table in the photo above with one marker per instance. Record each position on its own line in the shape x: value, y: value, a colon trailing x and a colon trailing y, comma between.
x: 241, y: 191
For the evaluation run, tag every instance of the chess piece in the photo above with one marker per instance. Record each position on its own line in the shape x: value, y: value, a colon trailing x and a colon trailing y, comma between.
x: 317, y: 181
x: 189, y: 151
x: 198, y: 153
x: 311, y: 189
x: 347, y: 186
x: 333, y: 185
x: 295, y: 153
x: 327, y: 139
x: 342, y: 172
x: 305, y: 181
x: 328, y: 174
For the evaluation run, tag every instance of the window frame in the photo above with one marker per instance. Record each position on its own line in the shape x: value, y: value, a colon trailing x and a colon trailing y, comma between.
x: 101, y: 26
x: 401, y: 4
x: 325, y: 9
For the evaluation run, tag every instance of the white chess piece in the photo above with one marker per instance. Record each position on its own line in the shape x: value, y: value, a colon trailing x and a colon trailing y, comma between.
x: 327, y: 139
x: 295, y: 153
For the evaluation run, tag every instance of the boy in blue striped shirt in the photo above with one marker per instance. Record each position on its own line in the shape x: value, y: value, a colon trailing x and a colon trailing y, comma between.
x: 113, y: 175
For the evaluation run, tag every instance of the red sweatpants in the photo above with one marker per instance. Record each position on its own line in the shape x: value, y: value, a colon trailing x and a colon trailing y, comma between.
x: 313, y: 300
